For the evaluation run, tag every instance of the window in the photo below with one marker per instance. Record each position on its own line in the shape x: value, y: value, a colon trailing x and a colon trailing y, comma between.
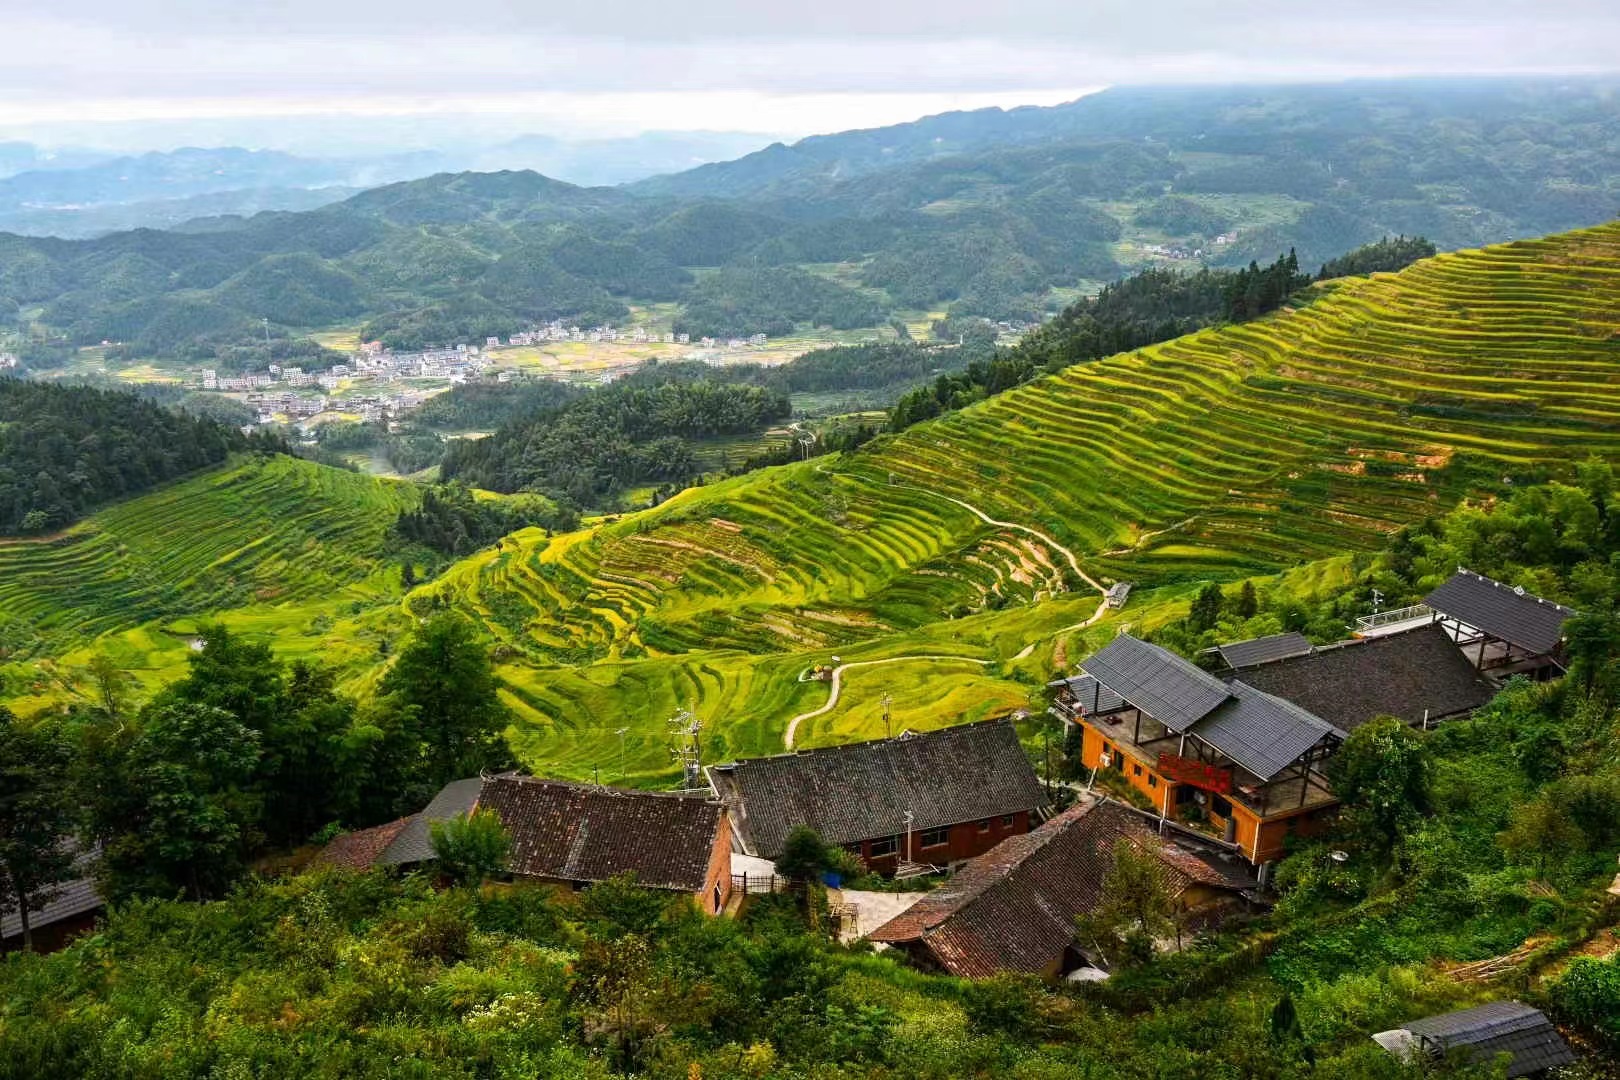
x: 1008, y: 820
x: 1221, y: 808
x: 1153, y: 780
x: 717, y: 898
x: 886, y: 845
x: 984, y: 826
x: 936, y: 837
x: 1136, y: 768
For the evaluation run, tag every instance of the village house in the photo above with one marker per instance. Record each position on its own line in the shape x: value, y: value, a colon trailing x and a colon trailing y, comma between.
x: 1505, y: 630
x: 1418, y: 675
x: 1480, y: 1036
x: 1013, y: 909
x: 578, y: 834
x: 1247, y: 762
x: 569, y: 834
x: 932, y: 798
x: 71, y: 911
x: 407, y: 841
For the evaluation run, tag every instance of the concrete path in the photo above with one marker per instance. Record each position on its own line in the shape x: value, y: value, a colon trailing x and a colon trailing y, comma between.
x: 872, y: 909
x: 838, y: 685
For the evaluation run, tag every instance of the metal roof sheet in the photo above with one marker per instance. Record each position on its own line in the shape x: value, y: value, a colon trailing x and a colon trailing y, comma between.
x: 1502, y: 611
x: 1265, y: 650
x: 414, y: 843
x: 1499, y: 1027
x: 1157, y: 681
x: 1261, y: 732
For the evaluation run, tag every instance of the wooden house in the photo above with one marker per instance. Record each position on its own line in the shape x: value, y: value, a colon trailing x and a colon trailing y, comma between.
x: 579, y: 834
x: 935, y: 798
x: 1246, y: 761
x: 1013, y: 909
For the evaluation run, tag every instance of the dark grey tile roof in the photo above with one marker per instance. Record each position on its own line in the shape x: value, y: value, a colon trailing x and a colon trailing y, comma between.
x: 1502, y: 611
x: 1501, y: 1026
x: 1093, y: 697
x: 1265, y: 650
x: 1013, y: 908
x: 75, y: 898
x: 863, y: 790
x: 414, y: 843
x: 576, y: 832
x: 1157, y: 681
x: 1411, y: 674
x: 1262, y: 732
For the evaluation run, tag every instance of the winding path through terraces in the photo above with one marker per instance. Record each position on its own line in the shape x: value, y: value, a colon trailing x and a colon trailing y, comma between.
x: 838, y: 685
x: 1074, y: 563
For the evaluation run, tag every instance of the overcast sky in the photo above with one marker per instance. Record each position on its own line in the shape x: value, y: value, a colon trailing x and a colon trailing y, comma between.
x: 613, y: 67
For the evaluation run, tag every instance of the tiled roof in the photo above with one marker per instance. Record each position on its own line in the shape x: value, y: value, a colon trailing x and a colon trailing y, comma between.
x: 1499, y: 1027
x: 864, y: 790
x: 359, y: 850
x: 1411, y: 674
x: 575, y: 832
x: 1265, y: 650
x: 414, y: 843
x: 74, y: 898
x: 1157, y: 681
x: 1013, y: 908
x: 1502, y: 611
x: 1262, y: 732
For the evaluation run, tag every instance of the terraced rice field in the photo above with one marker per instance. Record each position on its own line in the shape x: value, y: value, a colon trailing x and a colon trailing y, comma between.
x: 275, y: 531
x: 1237, y: 451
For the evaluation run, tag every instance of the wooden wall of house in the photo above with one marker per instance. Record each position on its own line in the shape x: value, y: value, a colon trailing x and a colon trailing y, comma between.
x: 964, y: 840
x: 56, y: 935
x: 1262, y: 842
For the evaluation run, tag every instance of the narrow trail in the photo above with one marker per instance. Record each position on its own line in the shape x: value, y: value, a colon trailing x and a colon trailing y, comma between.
x: 838, y: 685
x: 1074, y: 563
x: 1145, y: 537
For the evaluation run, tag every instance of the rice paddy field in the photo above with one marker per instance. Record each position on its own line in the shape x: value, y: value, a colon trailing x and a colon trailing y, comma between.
x: 983, y: 537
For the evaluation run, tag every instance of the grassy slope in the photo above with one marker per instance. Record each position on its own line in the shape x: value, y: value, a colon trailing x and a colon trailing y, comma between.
x: 1253, y: 447
x: 1242, y: 450
x: 272, y: 544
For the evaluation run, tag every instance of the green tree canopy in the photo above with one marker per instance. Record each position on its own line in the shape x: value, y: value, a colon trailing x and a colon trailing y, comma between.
x: 37, y: 816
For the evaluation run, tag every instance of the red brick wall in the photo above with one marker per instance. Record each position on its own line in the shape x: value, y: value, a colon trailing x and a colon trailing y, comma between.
x: 719, y: 872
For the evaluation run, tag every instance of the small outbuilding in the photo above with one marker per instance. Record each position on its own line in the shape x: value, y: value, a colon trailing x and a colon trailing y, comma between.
x: 1525, y: 1035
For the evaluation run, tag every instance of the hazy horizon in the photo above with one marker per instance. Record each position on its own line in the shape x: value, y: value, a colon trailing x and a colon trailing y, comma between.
x: 403, y: 74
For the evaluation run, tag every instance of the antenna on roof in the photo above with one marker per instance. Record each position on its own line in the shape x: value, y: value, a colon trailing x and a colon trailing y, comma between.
x: 688, y: 749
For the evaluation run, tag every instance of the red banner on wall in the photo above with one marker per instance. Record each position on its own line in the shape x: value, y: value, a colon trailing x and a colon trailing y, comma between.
x: 1197, y: 773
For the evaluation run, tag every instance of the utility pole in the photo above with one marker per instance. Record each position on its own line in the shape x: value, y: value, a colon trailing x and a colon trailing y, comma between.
x: 1378, y: 599
x: 888, y: 733
x: 266, y: 323
x: 621, y: 732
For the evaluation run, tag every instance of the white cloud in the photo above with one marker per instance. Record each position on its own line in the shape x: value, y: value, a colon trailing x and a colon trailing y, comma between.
x: 619, y: 66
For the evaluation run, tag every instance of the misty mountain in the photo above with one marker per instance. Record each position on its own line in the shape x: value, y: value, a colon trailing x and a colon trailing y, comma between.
x: 862, y: 224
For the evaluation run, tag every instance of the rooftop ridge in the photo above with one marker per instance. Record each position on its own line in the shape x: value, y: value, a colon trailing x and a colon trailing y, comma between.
x: 600, y: 789
x: 1516, y: 590
x: 864, y: 744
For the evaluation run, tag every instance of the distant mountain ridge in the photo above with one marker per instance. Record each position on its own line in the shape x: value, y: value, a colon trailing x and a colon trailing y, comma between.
x: 990, y: 213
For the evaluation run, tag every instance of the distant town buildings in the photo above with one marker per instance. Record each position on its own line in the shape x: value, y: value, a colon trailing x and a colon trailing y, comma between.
x: 374, y: 365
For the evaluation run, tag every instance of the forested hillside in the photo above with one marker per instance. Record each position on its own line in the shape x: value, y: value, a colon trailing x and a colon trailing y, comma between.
x: 984, y: 213
x: 66, y: 450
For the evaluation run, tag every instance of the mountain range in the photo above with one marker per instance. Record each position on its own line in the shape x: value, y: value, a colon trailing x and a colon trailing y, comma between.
x: 993, y: 213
